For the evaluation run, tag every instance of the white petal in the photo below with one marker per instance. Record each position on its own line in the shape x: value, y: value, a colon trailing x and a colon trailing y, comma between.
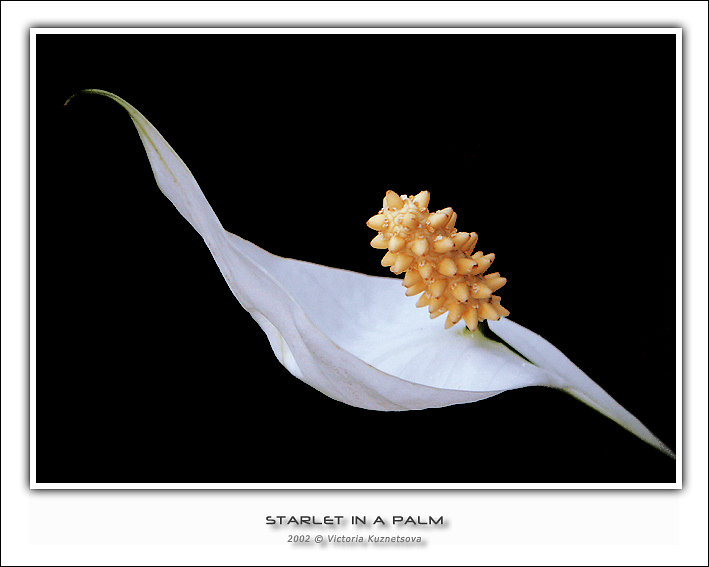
x: 370, y: 347
x: 358, y: 338
x: 363, y: 348
x: 571, y: 379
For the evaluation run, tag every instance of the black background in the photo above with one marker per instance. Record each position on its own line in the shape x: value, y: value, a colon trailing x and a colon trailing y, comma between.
x: 558, y: 150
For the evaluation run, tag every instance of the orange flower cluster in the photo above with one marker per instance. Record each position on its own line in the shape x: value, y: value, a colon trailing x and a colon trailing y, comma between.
x: 438, y: 260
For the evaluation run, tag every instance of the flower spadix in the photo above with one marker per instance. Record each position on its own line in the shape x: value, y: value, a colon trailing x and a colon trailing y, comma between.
x: 342, y: 346
x: 438, y: 260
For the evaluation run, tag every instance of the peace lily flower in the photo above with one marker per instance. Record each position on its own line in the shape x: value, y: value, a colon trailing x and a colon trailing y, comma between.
x: 370, y: 347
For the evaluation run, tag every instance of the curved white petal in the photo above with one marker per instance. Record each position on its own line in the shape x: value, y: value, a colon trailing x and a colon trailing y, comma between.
x: 368, y: 347
x: 364, y: 347
x: 571, y: 379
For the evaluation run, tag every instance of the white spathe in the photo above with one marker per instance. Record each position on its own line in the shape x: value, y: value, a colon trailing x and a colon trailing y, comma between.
x: 370, y: 348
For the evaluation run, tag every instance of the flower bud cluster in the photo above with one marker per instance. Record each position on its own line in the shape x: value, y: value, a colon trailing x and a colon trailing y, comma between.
x: 438, y: 261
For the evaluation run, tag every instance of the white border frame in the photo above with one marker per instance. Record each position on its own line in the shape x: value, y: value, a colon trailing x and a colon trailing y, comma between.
x: 384, y: 486
x: 536, y: 534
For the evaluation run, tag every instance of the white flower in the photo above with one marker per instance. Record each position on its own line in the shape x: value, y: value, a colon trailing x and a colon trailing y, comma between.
x: 359, y: 338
